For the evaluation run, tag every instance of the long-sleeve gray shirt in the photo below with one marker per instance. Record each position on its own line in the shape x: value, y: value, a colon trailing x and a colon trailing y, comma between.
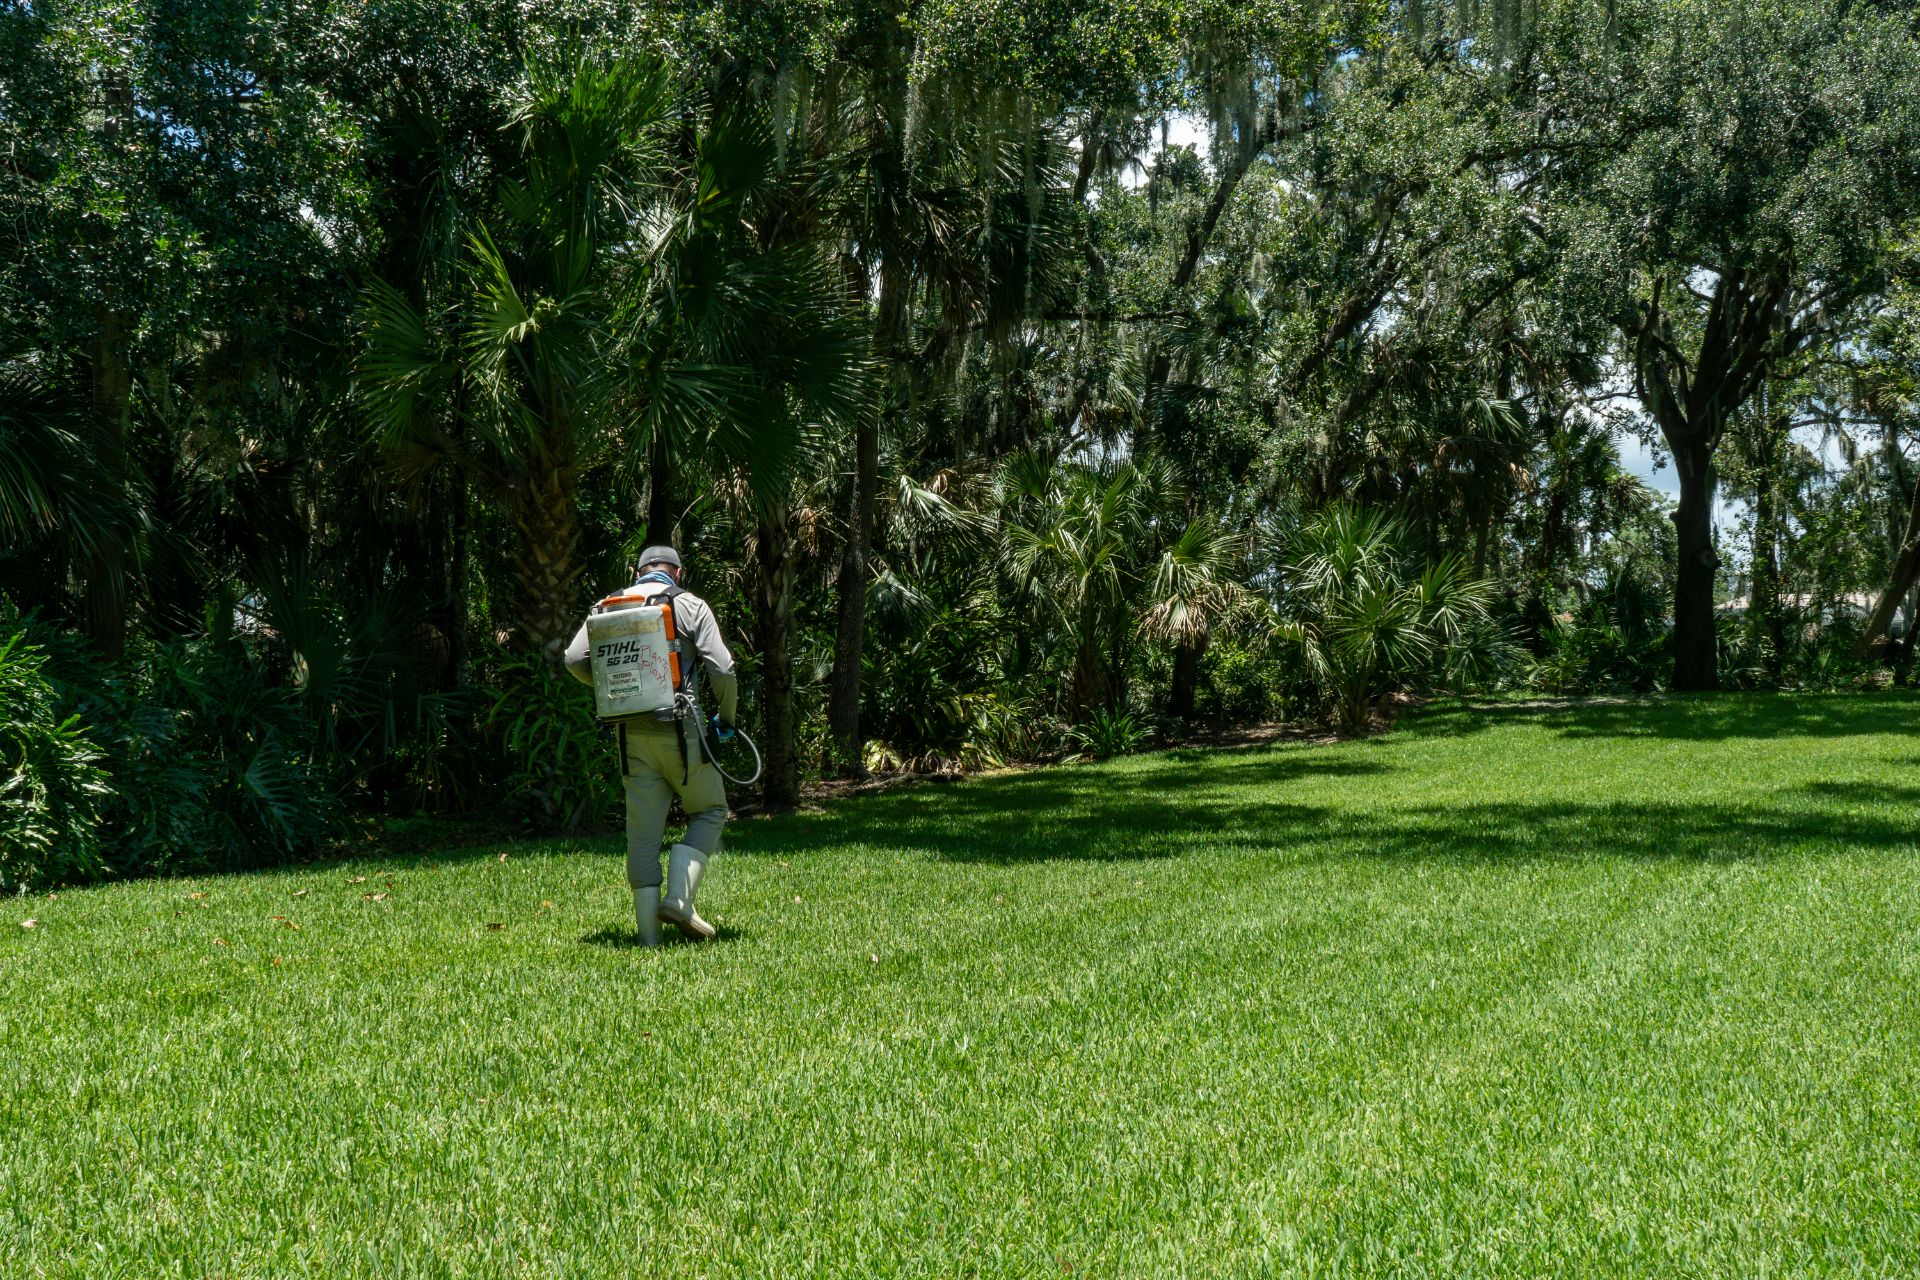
x: 696, y: 632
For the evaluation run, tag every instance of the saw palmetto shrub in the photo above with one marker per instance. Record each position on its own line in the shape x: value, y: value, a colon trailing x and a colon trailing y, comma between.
x: 53, y: 792
x: 203, y: 756
x: 1366, y: 616
x: 211, y: 762
x: 562, y: 770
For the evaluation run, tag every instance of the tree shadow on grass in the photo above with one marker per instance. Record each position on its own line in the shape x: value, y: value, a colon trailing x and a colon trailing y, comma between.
x: 1702, y: 717
x: 1869, y: 793
x: 1146, y: 811
x: 1639, y: 831
x: 1169, y: 805
x: 1119, y: 818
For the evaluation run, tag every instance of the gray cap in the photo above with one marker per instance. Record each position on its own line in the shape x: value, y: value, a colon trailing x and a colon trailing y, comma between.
x: 660, y: 555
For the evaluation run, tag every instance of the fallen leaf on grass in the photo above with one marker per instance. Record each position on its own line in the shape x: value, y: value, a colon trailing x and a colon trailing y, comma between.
x: 503, y: 857
x: 496, y: 924
x: 300, y: 893
x: 276, y: 959
x: 29, y: 924
x: 356, y: 879
x: 196, y: 896
x: 374, y: 897
x: 219, y: 942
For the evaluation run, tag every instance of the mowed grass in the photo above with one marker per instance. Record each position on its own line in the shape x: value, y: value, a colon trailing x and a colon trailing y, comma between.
x: 1616, y: 990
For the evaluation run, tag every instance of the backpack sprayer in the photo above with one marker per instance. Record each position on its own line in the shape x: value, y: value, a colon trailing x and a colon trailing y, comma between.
x: 637, y: 670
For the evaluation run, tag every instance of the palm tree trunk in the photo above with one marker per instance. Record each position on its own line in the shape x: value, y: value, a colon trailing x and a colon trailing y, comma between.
x: 890, y: 313
x: 458, y: 601
x: 547, y: 562
x: 1763, y: 605
x: 843, y: 695
x: 1186, y: 677
x: 662, y: 513
x: 773, y: 626
x: 1906, y: 571
x: 112, y: 402
x: 112, y: 410
x: 1089, y: 690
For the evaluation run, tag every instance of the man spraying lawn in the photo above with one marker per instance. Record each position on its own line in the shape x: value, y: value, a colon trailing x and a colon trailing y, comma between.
x: 644, y: 650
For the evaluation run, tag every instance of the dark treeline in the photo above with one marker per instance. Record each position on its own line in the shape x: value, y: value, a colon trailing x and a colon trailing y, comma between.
x: 1018, y: 379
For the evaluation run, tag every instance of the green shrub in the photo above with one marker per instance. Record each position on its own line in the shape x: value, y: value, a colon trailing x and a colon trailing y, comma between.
x: 1614, y: 639
x: 210, y: 762
x: 1366, y: 617
x: 935, y: 698
x: 562, y: 771
x: 1241, y: 682
x: 1110, y: 733
x: 52, y: 790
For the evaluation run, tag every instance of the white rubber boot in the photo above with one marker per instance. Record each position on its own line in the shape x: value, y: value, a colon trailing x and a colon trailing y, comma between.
x: 685, y: 866
x: 646, y: 915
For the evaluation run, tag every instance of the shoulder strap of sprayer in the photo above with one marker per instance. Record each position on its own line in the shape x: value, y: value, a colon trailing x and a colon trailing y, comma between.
x: 685, y: 669
x: 682, y: 670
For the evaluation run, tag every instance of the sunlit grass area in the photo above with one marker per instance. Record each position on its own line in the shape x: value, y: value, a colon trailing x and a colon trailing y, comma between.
x: 1624, y: 989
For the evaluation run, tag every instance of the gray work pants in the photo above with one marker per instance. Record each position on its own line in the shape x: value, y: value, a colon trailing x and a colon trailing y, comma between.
x: 657, y: 771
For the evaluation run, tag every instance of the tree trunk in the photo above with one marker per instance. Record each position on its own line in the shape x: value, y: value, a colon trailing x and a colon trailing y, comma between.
x: 1906, y: 571
x: 1186, y: 677
x: 458, y: 601
x: 547, y: 562
x: 112, y: 404
x: 112, y: 409
x: 890, y: 314
x: 663, y: 512
x: 843, y: 696
x: 1696, y: 648
x: 1746, y: 332
x: 1763, y: 604
x: 773, y: 626
x: 1089, y: 690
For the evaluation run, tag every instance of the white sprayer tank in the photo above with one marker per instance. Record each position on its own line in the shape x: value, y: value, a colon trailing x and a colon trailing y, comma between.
x: 636, y: 666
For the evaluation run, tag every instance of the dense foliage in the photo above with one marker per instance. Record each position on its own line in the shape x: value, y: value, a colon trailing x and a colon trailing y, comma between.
x: 1018, y: 380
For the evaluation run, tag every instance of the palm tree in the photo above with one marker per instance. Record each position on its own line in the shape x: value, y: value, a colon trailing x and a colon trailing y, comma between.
x: 1075, y: 540
x: 1191, y: 596
x: 1364, y: 621
x: 617, y: 309
x: 1099, y: 551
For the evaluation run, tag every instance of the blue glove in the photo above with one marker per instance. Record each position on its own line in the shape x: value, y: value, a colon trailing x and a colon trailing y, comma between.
x: 722, y: 729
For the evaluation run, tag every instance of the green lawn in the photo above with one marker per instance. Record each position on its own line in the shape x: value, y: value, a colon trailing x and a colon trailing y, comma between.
x: 1626, y: 990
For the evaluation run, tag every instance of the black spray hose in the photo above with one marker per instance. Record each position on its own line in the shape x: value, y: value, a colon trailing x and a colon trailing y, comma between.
x: 713, y: 760
x: 690, y: 707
